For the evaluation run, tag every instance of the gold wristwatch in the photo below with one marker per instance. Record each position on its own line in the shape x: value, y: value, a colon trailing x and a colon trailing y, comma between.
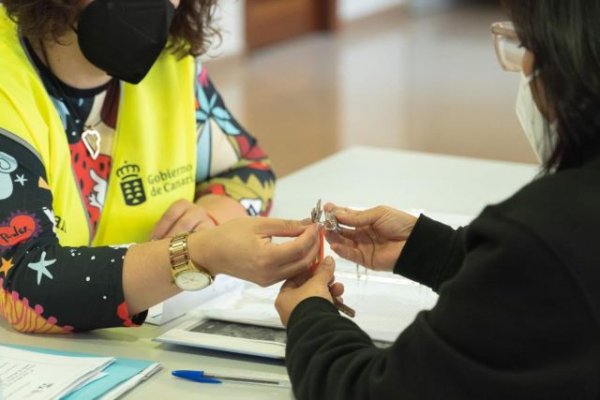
x: 186, y: 275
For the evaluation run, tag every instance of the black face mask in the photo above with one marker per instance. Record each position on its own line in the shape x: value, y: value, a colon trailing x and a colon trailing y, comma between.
x: 125, y: 37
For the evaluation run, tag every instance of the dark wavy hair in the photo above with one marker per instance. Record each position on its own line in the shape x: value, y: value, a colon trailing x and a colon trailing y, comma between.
x: 191, y: 32
x: 564, y: 36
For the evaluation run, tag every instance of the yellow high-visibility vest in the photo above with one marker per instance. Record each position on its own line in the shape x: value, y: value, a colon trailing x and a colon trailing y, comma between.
x: 154, y: 148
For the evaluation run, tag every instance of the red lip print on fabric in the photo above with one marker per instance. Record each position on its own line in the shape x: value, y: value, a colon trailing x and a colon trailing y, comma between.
x: 92, y: 179
x: 18, y: 228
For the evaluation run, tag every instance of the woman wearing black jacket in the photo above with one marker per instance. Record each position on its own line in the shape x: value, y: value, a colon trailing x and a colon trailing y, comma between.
x: 519, y: 289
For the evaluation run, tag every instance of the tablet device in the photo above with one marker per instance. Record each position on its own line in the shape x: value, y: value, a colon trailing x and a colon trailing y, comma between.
x: 229, y: 336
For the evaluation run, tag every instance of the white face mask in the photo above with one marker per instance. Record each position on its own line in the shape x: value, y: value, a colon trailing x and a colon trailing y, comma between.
x: 533, y: 122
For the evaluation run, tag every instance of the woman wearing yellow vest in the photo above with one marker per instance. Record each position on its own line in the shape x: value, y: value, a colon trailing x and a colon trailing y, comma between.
x: 111, y: 134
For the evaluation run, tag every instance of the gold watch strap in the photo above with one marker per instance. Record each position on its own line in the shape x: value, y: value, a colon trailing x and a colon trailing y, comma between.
x: 178, y: 250
x: 179, y: 256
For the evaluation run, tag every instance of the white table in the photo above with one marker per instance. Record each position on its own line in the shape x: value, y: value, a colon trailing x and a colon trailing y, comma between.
x: 366, y: 176
x: 358, y: 176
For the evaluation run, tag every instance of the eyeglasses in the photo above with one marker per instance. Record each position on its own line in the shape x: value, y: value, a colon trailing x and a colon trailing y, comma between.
x: 508, y: 47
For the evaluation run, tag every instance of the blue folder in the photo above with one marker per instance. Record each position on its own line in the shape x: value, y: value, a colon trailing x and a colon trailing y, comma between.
x: 117, y: 373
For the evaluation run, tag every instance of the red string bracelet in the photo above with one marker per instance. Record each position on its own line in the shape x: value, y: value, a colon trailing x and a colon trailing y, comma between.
x: 213, y: 219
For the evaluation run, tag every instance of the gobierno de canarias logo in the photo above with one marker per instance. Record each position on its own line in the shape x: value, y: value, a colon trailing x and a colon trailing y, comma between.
x: 131, y: 184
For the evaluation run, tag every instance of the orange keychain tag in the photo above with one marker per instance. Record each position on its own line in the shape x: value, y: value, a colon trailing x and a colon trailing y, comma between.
x: 331, y: 225
x: 321, y: 255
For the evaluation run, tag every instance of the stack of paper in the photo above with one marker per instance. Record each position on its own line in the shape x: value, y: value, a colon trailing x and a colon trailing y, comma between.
x: 30, y: 373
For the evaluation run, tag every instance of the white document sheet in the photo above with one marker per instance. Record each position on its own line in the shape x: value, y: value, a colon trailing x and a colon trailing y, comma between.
x: 180, y: 304
x: 36, y: 376
x: 384, y: 304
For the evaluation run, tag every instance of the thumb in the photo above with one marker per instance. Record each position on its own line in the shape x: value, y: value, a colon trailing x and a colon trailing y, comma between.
x: 324, y: 273
x: 355, y: 218
x: 280, y: 227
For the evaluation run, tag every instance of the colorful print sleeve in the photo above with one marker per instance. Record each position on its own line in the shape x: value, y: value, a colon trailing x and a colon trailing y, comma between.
x: 230, y: 161
x: 44, y: 287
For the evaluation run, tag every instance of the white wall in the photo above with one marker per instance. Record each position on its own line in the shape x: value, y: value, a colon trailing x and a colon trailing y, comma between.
x: 428, y: 5
x: 354, y: 9
x: 230, y: 18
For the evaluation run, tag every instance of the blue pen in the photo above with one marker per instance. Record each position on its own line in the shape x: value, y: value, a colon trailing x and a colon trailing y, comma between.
x: 202, y: 377
x: 196, y: 376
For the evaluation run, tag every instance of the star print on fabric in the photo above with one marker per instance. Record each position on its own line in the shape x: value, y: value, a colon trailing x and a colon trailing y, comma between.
x: 6, y: 265
x: 40, y: 267
x: 21, y: 179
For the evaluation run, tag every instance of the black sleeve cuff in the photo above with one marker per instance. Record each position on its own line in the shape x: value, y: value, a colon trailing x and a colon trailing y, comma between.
x: 433, y: 253
x: 311, y: 306
x: 140, y: 318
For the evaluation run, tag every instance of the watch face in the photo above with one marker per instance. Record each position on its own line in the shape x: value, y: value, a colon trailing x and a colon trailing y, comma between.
x: 192, y: 280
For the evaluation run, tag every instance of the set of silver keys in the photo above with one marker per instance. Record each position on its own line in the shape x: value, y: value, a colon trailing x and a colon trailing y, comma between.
x: 330, y: 223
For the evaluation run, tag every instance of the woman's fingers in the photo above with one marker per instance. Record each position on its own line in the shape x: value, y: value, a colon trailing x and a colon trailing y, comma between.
x: 279, y: 261
x: 170, y: 218
x: 324, y: 274
x: 349, y: 253
x: 297, y: 269
x: 297, y: 248
x: 194, y: 218
x: 281, y: 227
x: 343, y: 237
x: 351, y: 244
x: 354, y: 218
